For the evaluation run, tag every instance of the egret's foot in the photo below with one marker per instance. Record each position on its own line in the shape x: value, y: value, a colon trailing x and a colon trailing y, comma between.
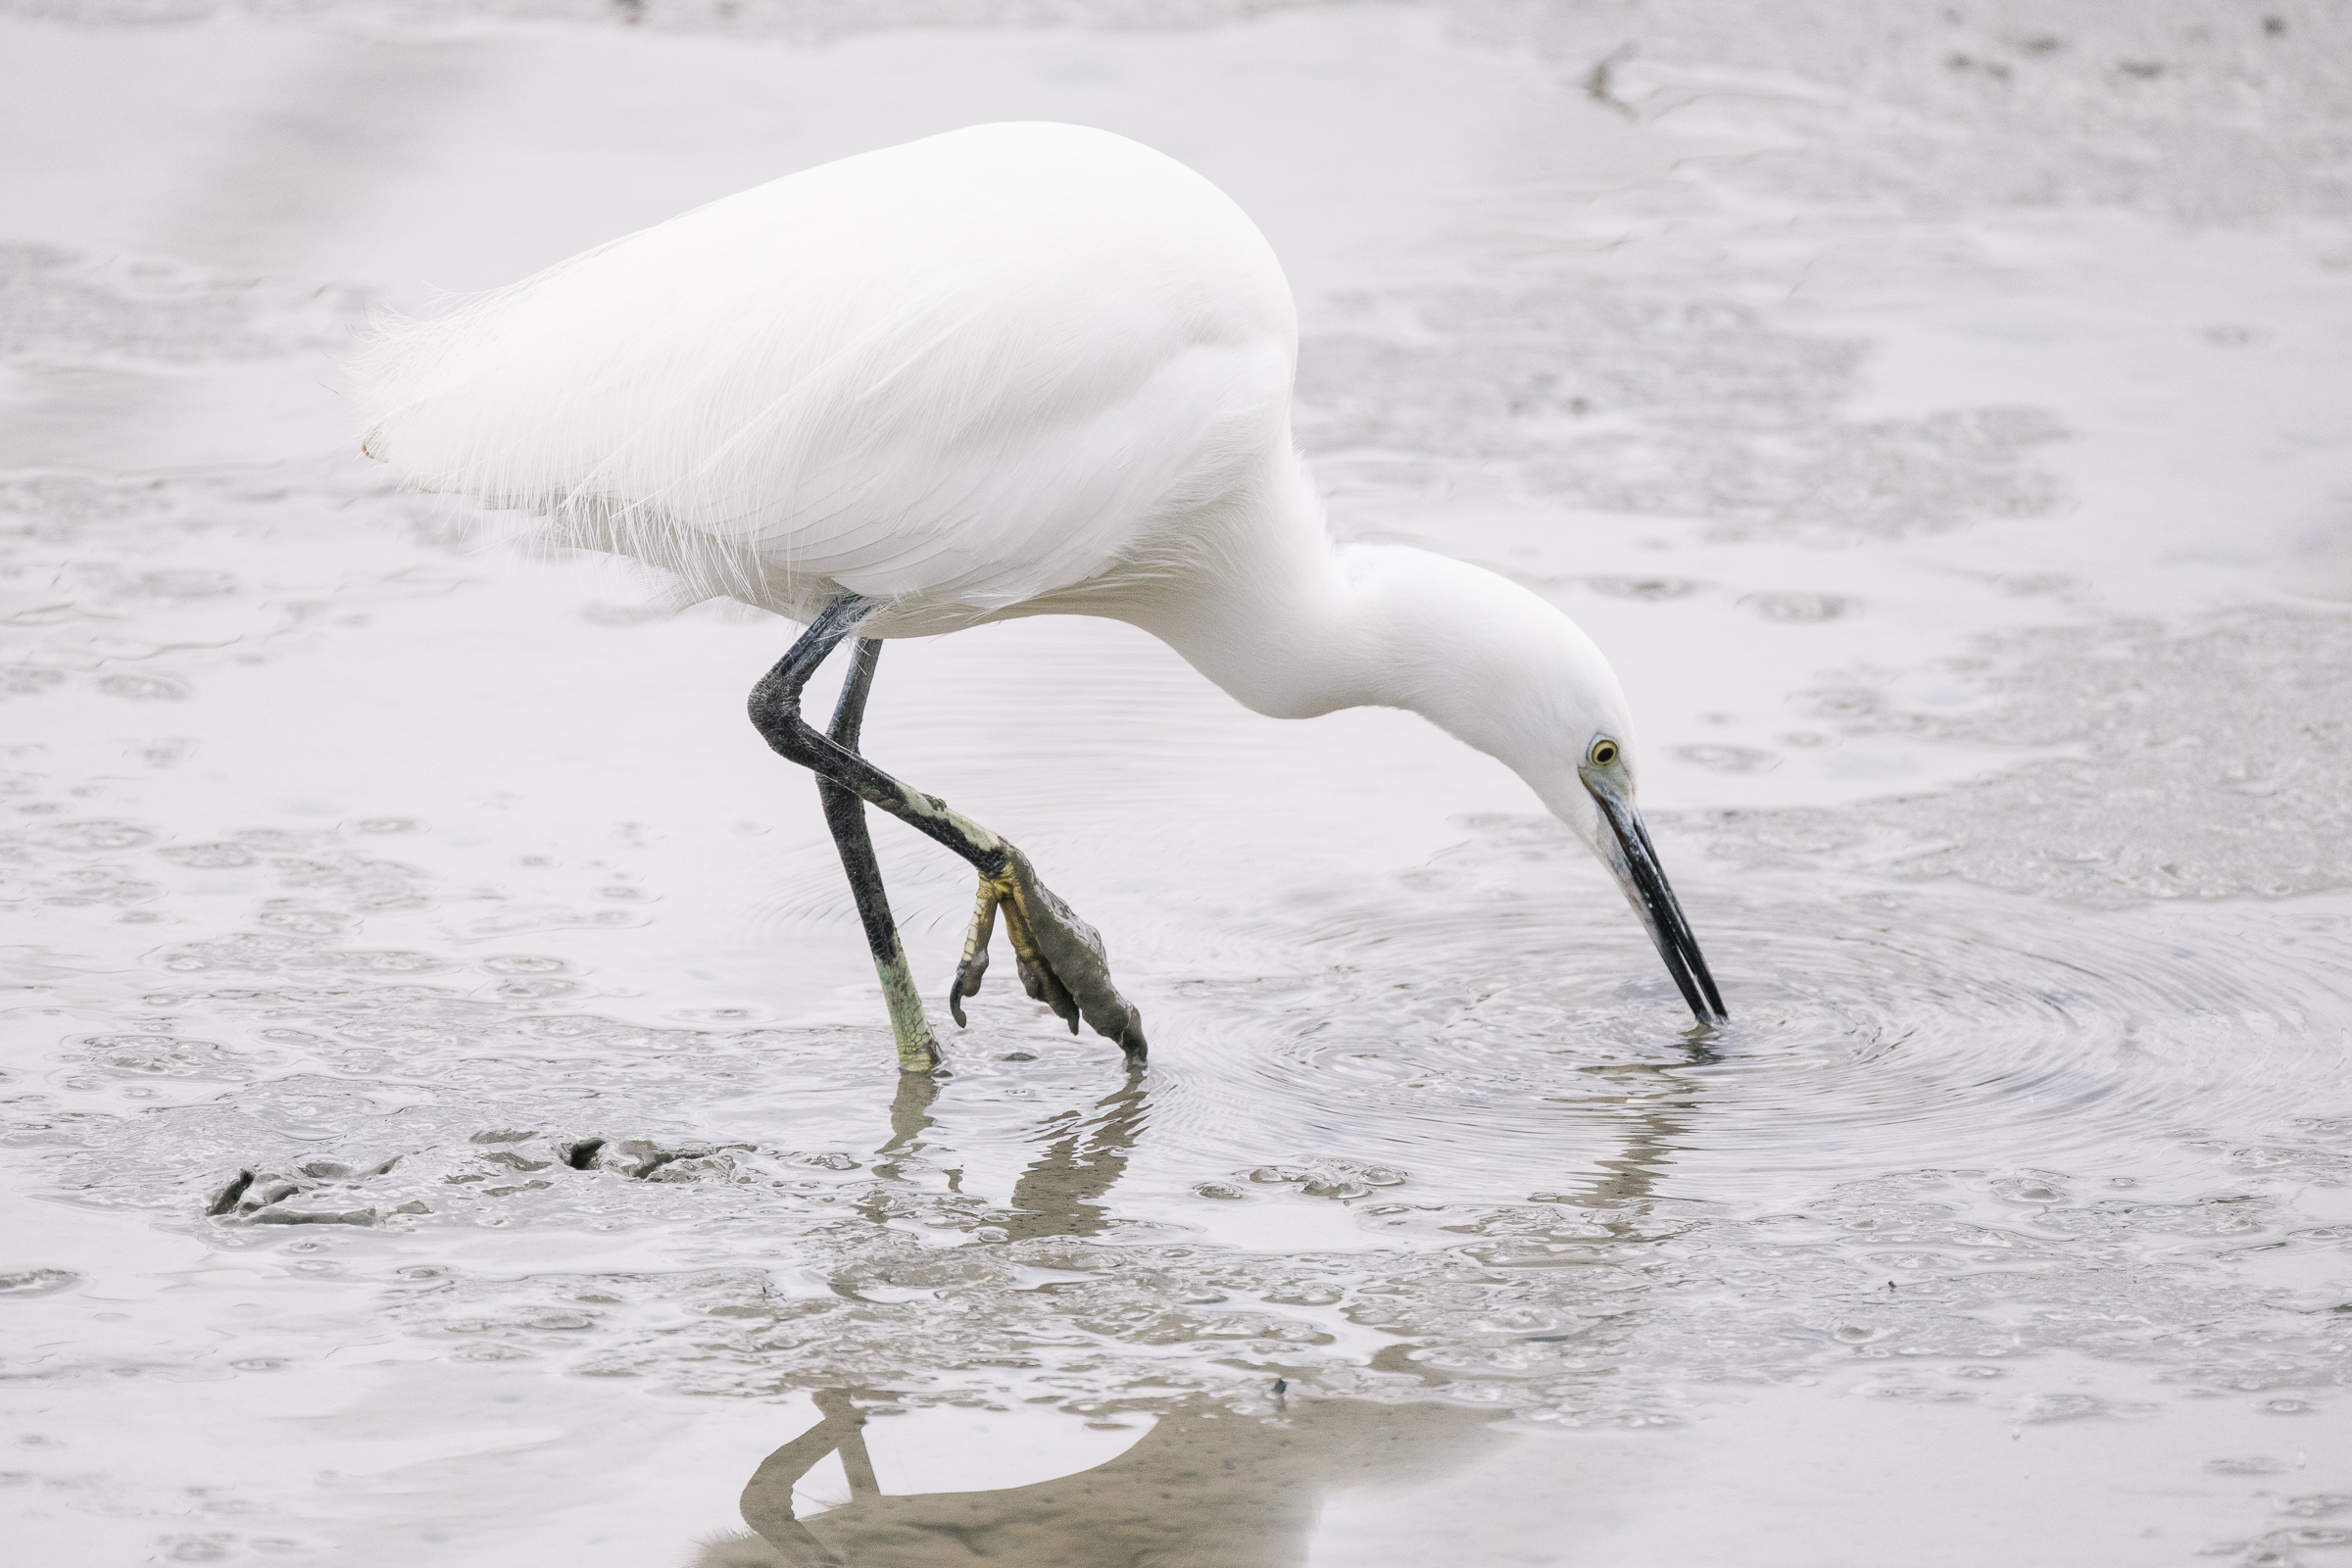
x: 1061, y: 956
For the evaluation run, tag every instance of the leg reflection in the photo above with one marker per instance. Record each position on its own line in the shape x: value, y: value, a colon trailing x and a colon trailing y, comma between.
x: 1060, y: 1192
x: 767, y: 1499
x: 910, y: 1118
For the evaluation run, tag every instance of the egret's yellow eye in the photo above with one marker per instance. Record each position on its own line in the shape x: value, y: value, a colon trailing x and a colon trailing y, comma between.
x: 1604, y: 752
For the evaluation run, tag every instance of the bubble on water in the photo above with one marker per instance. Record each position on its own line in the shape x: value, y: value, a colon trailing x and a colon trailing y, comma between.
x: 146, y: 687
x: 2046, y: 1408
x: 306, y: 922
x: 208, y: 856
x: 2027, y: 584
x: 82, y: 838
x: 1328, y: 1178
x: 1836, y: 702
x: 526, y: 964
x: 2035, y: 1187
x: 1650, y: 590
x: 384, y: 962
x: 1801, y: 607
x: 241, y: 950
x: 172, y: 1056
x: 2317, y: 1504
x: 1727, y: 758
x: 85, y: 887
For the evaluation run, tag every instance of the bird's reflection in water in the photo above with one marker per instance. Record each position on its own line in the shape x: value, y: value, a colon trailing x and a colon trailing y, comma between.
x: 1206, y: 1488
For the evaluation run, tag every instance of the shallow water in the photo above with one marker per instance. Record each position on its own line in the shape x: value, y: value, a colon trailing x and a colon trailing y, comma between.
x: 450, y: 1115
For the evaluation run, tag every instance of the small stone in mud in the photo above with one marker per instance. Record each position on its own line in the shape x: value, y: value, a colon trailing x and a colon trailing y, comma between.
x: 229, y: 1196
x: 694, y: 1168
x: 35, y: 1281
x: 632, y: 1156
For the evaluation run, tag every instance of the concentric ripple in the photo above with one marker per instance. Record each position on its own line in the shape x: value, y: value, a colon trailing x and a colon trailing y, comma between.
x: 1466, y: 1040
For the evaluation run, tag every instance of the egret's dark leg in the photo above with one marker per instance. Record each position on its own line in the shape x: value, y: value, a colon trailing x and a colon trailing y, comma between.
x: 1059, y: 955
x: 845, y: 815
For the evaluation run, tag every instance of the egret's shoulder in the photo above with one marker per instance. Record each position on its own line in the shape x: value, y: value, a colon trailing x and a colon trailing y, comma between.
x: 1057, y: 197
x: 1043, y: 150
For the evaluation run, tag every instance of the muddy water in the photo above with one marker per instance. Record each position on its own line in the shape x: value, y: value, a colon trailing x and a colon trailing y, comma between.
x: 450, y: 1116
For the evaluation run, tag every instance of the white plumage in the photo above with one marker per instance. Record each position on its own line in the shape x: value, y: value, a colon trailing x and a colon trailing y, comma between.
x: 1003, y: 372
x: 957, y: 374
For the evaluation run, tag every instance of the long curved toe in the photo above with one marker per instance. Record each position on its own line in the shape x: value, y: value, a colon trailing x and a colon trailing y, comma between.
x: 1061, y: 956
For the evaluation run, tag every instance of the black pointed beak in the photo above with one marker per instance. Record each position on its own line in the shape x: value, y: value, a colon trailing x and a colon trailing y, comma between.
x: 1647, y: 890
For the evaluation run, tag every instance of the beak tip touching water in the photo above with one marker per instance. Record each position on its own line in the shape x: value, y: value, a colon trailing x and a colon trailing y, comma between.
x: 1647, y: 891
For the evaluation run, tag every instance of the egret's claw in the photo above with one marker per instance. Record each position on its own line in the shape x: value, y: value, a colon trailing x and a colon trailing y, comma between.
x: 1061, y: 956
x: 975, y: 968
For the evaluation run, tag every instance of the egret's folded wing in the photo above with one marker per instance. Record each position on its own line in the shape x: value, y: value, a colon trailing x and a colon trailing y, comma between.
x: 968, y: 368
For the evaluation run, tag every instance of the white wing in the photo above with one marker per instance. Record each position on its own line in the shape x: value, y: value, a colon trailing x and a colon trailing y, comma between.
x: 965, y: 372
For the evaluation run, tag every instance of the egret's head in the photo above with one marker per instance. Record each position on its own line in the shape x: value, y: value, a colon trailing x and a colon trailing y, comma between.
x: 1623, y: 844
x: 1526, y: 685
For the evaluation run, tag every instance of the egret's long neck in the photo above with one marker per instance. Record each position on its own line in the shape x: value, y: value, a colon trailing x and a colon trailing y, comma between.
x: 1263, y: 603
x: 1292, y: 626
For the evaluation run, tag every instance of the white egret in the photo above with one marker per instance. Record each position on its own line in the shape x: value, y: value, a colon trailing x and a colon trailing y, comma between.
x: 1016, y: 370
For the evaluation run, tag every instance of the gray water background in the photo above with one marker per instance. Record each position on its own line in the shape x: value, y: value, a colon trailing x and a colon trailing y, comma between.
x: 1939, y: 419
